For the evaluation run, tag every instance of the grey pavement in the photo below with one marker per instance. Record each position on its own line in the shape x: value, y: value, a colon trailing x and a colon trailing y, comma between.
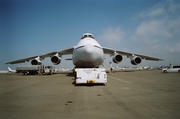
x: 126, y: 95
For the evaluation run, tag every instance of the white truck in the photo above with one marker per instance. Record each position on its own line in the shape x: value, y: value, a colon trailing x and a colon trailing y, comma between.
x: 48, y: 70
x: 172, y: 68
x: 90, y: 75
x: 35, y: 69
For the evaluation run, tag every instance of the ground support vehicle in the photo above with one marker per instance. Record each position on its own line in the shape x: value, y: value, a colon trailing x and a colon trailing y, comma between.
x: 35, y: 69
x: 48, y: 70
x: 90, y: 75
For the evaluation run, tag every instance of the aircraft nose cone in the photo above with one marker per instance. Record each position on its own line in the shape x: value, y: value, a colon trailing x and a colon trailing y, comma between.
x: 89, y: 49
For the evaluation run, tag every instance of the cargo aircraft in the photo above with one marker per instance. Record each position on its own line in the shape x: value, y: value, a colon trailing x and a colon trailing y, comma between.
x: 88, y: 53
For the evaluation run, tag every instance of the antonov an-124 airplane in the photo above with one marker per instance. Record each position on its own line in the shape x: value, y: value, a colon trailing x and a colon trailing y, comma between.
x: 88, y: 53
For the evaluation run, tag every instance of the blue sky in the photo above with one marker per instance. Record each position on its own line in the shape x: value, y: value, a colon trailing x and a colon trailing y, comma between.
x: 34, y: 27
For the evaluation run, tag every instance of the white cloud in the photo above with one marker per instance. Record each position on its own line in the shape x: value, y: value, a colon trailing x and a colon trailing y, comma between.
x: 162, y: 9
x: 160, y: 25
x: 173, y: 48
x: 157, y: 10
x: 110, y: 35
x: 152, y: 31
x: 173, y: 7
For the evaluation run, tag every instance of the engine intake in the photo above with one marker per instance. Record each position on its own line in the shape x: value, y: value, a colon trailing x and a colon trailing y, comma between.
x: 117, y: 58
x: 136, y: 60
x: 36, y: 62
x: 55, y: 60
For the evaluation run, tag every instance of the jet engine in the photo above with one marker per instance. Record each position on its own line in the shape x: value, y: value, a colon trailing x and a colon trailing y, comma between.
x: 36, y: 61
x: 56, y: 59
x: 136, y: 60
x: 117, y: 58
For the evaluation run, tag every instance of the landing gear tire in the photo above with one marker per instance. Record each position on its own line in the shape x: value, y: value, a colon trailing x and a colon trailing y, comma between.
x: 165, y: 71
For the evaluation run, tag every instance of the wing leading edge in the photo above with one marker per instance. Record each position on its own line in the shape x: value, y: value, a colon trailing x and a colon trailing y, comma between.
x: 41, y: 57
x: 111, y: 51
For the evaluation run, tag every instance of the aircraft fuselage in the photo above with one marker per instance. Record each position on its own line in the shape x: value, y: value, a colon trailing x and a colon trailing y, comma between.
x: 88, y: 54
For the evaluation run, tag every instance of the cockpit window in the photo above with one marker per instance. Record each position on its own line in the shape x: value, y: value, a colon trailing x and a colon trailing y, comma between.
x: 87, y: 36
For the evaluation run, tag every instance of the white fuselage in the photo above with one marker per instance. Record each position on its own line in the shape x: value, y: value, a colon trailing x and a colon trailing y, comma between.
x: 88, y: 54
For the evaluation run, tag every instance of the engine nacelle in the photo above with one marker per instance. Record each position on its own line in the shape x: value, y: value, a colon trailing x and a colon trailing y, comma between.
x: 117, y: 58
x: 136, y: 60
x: 36, y: 62
x: 55, y: 60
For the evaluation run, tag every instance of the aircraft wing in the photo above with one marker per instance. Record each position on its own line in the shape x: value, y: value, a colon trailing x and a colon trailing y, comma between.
x: 111, y: 51
x: 61, y: 52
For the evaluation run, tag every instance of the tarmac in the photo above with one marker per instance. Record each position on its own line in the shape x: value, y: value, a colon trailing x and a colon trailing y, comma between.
x: 126, y: 95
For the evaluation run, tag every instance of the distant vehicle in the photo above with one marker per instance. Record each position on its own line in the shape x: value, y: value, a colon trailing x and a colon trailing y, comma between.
x: 48, y: 70
x: 146, y: 67
x: 139, y: 68
x: 175, y: 68
x: 35, y: 69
